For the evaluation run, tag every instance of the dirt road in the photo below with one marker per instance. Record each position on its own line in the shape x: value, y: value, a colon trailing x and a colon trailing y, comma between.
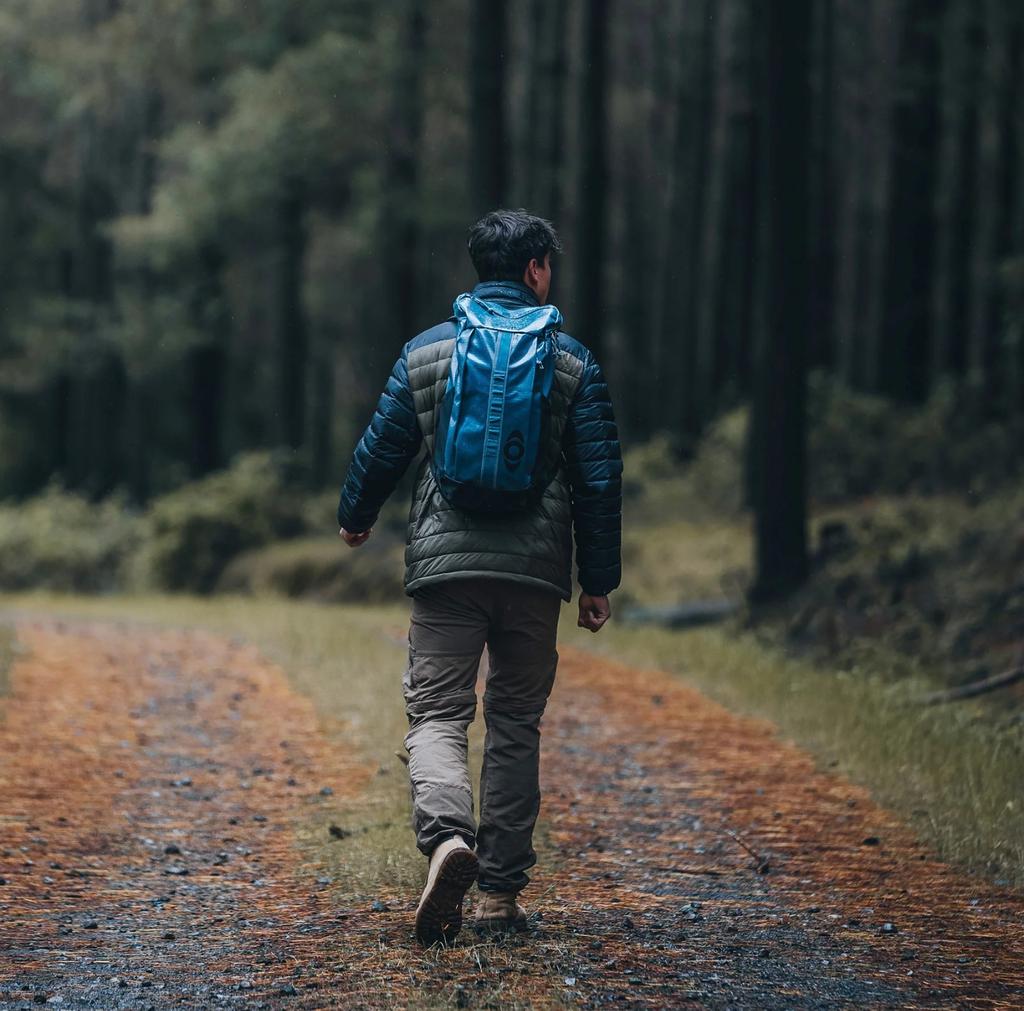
x: 154, y: 782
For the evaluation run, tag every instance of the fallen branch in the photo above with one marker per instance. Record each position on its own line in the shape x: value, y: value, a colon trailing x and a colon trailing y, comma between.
x: 1002, y: 680
x: 761, y: 862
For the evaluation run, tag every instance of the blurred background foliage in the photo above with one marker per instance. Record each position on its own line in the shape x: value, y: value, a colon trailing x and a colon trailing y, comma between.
x: 221, y: 219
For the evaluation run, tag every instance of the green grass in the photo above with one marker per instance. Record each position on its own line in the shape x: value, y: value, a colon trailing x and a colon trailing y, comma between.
x: 953, y: 771
x: 947, y: 769
x: 8, y: 651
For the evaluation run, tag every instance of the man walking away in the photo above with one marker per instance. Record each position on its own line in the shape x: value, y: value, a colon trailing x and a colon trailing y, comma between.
x: 519, y: 450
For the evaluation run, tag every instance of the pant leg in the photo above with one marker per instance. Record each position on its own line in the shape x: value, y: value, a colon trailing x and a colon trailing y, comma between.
x: 521, y: 648
x: 446, y: 639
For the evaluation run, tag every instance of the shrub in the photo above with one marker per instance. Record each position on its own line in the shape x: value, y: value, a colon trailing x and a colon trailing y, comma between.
x: 859, y: 445
x: 320, y: 569
x: 61, y: 542
x: 862, y: 445
x: 192, y: 533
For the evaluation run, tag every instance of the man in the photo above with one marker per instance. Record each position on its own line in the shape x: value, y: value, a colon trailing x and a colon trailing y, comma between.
x: 485, y: 577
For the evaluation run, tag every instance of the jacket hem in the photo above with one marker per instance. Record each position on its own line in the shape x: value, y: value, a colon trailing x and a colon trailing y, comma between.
x: 411, y: 586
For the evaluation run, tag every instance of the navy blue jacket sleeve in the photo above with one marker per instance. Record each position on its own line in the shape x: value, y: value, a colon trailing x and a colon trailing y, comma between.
x: 594, y: 465
x: 384, y: 452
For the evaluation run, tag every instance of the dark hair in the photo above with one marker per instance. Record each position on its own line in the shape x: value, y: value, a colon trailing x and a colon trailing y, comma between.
x: 502, y: 244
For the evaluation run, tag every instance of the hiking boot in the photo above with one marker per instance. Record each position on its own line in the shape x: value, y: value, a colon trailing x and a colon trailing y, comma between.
x: 499, y: 913
x: 453, y: 868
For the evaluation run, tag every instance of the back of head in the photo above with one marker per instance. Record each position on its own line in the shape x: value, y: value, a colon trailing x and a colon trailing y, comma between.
x: 502, y: 244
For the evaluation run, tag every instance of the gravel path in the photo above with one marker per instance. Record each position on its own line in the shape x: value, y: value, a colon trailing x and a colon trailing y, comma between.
x: 154, y: 783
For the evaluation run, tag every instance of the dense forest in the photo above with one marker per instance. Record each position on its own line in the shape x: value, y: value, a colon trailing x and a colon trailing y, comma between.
x: 222, y: 218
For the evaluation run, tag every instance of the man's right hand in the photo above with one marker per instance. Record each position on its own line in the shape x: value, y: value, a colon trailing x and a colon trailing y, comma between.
x: 354, y: 540
x: 594, y: 612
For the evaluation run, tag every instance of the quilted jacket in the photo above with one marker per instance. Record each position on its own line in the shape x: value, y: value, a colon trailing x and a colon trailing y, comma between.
x: 533, y: 547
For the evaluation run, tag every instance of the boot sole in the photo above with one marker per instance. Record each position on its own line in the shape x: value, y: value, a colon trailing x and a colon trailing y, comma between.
x: 439, y: 917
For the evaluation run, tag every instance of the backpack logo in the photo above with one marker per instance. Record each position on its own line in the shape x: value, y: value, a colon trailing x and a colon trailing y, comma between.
x: 514, y: 450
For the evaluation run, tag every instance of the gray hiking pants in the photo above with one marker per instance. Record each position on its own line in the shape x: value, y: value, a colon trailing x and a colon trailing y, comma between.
x: 451, y: 624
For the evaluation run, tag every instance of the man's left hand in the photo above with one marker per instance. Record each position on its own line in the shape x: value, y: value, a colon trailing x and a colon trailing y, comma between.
x: 594, y: 612
x: 354, y: 540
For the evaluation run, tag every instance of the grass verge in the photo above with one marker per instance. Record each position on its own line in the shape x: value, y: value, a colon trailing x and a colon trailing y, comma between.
x: 8, y: 651
x: 948, y: 770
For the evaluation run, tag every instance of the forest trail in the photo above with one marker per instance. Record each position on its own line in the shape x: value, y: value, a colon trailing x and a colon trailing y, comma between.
x: 154, y: 783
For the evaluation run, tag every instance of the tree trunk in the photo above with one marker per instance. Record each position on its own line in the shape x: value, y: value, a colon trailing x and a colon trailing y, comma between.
x: 903, y: 356
x: 1014, y: 343
x: 737, y: 292
x: 400, y: 229
x: 292, y: 330
x: 107, y: 398
x: 488, y: 146
x: 988, y: 241
x: 206, y: 365
x: 641, y: 69
x: 824, y: 192
x: 671, y: 381
x: 778, y: 424
x: 138, y: 450
x: 852, y: 172
x: 881, y: 90
x: 591, y: 201
x: 60, y: 426
x: 322, y: 441
x: 545, y: 133
x: 952, y: 207
x: 710, y: 264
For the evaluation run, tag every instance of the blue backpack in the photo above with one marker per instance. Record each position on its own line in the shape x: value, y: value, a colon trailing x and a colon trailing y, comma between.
x: 494, y: 414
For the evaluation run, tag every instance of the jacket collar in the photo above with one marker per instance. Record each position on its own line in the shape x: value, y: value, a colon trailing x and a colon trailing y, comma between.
x: 507, y: 292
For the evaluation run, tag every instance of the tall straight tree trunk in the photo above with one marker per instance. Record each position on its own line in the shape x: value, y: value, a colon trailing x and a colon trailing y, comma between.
x: 107, y: 398
x: 292, y: 329
x: 988, y: 239
x: 710, y: 265
x: 142, y: 386
x: 737, y: 291
x: 885, y: 50
x: 400, y: 226
x: 488, y: 144
x: 1013, y: 358
x: 852, y: 173
x: 545, y: 133
x: 61, y: 400
x: 952, y: 206
x: 653, y: 188
x: 321, y: 439
x: 206, y: 368
x: 823, y: 193
x: 206, y: 364
x: 778, y: 424
x: 903, y: 358
x: 139, y: 422
x: 592, y: 198
x: 672, y: 379
x: 645, y: 54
